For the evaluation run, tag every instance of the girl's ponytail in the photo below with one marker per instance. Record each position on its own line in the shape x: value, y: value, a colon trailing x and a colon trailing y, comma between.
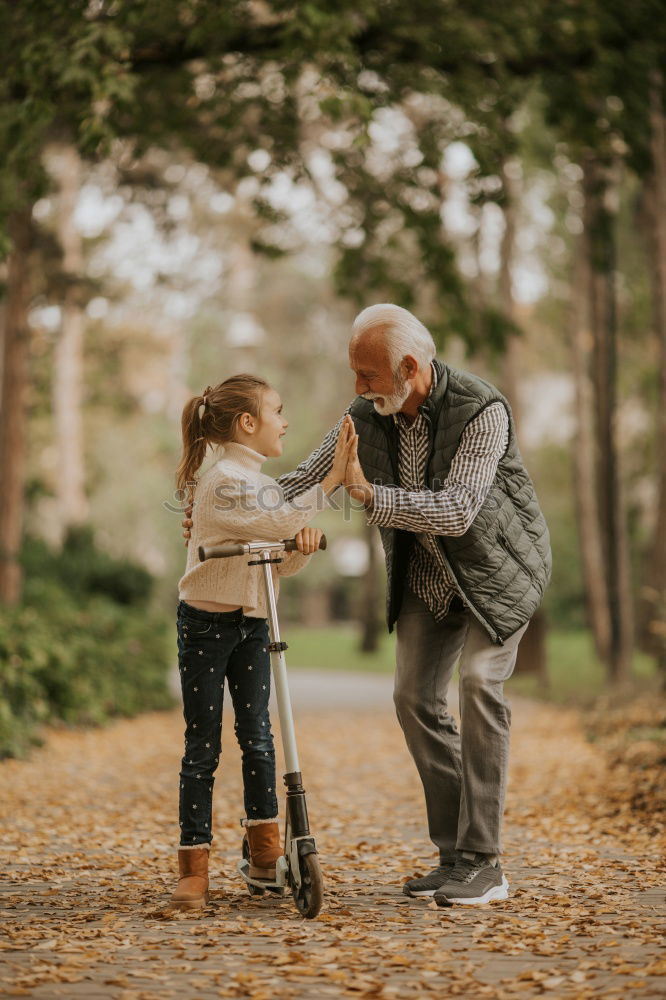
x: 211, y: 419
x: 194, y: 442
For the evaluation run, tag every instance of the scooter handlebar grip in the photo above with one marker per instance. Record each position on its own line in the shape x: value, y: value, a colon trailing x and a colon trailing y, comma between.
x: 290, y: 544
x: 221, y: 551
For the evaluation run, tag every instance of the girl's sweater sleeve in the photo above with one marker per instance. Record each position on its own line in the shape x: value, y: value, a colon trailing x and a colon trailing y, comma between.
x: 292, y: 563
x: 249, y: 510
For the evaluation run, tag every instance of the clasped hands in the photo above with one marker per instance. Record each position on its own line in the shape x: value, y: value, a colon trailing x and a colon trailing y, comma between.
x: 346, y: 470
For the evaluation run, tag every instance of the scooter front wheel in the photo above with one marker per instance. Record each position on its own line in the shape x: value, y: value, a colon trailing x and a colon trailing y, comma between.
x: 309, y: 895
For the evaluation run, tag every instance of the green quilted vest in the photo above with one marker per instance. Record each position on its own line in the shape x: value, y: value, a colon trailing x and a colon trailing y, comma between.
x: 502, y: 563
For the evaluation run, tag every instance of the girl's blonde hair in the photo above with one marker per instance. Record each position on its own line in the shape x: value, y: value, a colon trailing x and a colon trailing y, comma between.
x: 211, y: 418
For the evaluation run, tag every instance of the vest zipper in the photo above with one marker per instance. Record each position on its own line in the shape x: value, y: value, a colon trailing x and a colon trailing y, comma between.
x: 513, y: 555
x: 431, y: 448
x: 426, y: 476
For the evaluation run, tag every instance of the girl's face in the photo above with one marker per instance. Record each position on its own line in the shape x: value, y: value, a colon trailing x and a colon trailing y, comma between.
x: 264, y: 434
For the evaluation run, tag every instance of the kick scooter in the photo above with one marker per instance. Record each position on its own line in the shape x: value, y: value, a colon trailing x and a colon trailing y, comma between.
x: 299, y: 867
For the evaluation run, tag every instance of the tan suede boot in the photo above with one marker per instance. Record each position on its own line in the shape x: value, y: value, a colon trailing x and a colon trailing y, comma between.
x: 192, y: 890
x: 263, y: 837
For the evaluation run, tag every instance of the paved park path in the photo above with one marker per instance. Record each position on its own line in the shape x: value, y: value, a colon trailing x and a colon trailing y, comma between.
x: 89, y: 834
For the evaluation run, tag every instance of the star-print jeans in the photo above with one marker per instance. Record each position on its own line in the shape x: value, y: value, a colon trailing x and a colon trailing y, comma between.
x: 212, y: 646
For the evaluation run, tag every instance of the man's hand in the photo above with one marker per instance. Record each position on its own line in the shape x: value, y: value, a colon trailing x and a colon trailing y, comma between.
x: 343, y: 446
x: 355, y: 482
x: 307, y: 540
x: 187, y: 524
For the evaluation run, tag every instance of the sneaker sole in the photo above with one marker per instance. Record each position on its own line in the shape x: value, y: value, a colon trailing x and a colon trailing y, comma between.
x: 495, y: 894
x: 415, y: 893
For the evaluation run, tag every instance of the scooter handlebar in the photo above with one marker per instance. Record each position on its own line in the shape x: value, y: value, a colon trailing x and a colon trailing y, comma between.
x: 228, y: 549
x: 221, y: 551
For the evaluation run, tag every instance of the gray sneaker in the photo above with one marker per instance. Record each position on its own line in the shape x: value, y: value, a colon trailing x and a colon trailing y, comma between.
x: 429, y: 884
x: 473, y: 882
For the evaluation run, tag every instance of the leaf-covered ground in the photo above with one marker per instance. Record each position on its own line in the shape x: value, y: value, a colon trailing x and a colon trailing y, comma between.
x: 89, y: 835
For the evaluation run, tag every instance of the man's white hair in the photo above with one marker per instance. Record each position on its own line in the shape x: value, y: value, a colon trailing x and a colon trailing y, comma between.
x: 404, y: 333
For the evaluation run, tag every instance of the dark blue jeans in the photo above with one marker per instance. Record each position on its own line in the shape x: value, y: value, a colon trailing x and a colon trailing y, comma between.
x: 212, y: 646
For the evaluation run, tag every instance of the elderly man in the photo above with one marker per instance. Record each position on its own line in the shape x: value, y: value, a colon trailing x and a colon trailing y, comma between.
x: 438, y: 470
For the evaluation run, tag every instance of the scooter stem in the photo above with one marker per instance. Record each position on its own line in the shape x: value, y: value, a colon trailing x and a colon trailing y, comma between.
x: 280, y: 673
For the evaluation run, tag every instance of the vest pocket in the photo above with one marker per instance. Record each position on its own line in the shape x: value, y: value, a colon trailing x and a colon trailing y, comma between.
x: 514, y: 555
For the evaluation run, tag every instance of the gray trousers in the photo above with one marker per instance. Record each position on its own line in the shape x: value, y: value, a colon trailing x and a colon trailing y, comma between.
x: 463, y: 773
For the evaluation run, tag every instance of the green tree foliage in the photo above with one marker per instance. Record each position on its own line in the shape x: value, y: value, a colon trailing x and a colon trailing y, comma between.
x: 224, y: 80
x: 81, y: 569
x: 597, y: 81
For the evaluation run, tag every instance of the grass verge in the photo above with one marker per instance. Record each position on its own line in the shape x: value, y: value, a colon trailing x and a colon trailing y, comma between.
x: 575, y: 675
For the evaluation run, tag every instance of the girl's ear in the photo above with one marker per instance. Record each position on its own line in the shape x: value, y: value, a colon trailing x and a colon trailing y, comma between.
x: 246, y: 422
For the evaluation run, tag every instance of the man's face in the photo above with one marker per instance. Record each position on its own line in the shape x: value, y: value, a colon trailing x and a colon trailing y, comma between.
x: 375, y: 380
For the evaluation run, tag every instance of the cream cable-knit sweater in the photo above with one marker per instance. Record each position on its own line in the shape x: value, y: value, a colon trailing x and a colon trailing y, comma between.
x: 235, y: 501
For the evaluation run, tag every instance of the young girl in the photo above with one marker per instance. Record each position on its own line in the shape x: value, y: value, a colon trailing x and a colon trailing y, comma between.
x: 222, y: 627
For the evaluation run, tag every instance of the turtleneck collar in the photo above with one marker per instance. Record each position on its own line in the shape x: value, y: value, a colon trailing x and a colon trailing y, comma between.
x: 241, y: 455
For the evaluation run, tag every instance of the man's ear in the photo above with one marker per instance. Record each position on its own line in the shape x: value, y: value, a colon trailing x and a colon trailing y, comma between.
x: 409, y: 366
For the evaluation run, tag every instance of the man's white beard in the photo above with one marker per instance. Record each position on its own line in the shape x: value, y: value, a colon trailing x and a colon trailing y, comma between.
x: 394, y: 402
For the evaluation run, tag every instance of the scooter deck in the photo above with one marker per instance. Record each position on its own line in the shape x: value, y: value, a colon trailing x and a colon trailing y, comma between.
x: 281, y: 868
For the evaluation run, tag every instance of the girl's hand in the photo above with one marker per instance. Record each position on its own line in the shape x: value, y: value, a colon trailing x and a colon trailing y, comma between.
x: 307, y: 540
x: 343, y: 450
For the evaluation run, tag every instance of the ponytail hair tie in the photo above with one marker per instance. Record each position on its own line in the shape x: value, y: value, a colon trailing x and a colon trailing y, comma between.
x: 204, y: 400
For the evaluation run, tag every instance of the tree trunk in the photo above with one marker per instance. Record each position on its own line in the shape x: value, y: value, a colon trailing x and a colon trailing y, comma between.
x: 68, y: 361
x: 512, y: 357
x: 585, y: 480
x: 13, y: 409
x: 370, y: 616
x: 656, y: 574
x: 532, y: 655
x: 599, y: 218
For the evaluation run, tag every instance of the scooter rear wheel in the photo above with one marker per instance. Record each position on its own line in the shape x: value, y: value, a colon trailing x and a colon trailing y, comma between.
x: 309, y: 895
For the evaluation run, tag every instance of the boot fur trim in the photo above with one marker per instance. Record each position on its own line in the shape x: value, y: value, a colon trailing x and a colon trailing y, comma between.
x: 258, y: 822
x: 192, y: 847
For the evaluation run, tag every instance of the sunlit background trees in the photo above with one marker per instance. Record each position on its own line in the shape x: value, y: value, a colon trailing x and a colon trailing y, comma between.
x: 189, y: 189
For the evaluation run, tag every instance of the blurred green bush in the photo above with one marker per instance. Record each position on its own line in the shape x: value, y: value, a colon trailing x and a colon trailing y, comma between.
x: 84, y: 571
x: 82, y: 647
